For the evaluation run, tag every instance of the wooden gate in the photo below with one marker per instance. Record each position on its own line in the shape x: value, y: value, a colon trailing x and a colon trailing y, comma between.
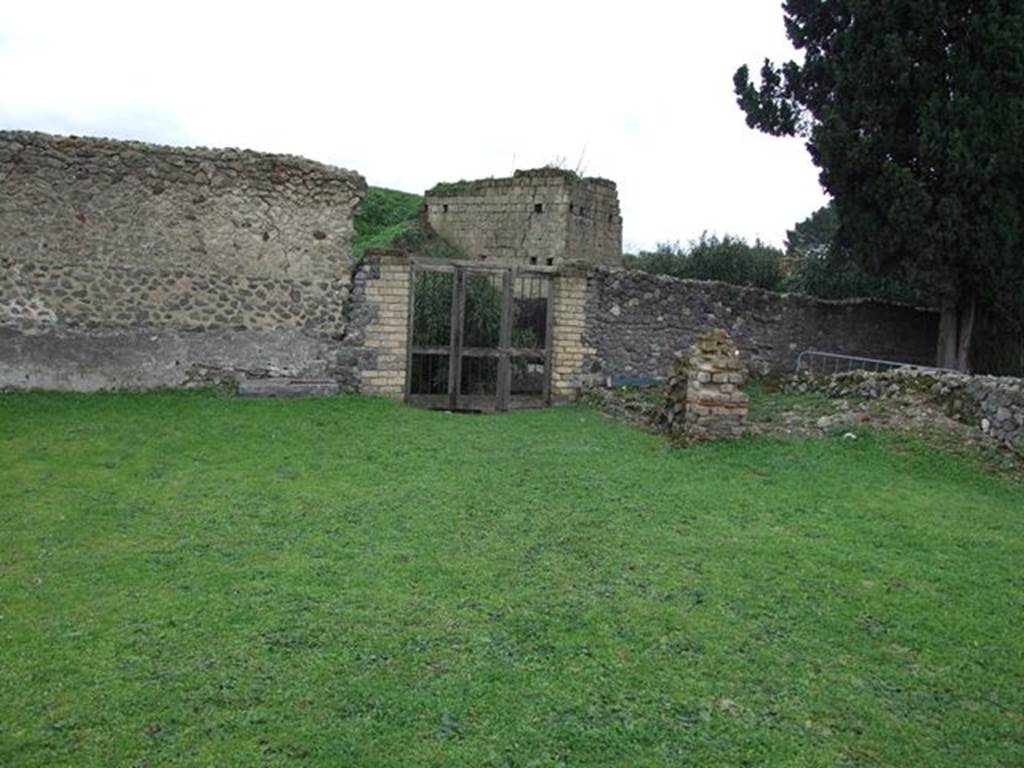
x: 479, y: 337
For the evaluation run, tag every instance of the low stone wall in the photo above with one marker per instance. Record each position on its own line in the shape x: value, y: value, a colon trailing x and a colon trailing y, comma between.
x: 994, y: 404
x: 128, y: 265
x: 635, y: 322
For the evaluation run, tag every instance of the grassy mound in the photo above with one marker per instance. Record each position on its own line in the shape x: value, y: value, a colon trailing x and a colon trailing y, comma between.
x: 382, y: 219
x: 392, y: 219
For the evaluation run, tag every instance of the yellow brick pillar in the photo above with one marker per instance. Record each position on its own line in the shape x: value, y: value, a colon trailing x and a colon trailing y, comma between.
x: 568, y: 350
x: 387, y: 291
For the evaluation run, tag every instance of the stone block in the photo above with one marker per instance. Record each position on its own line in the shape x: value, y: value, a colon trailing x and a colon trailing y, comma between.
x: 287, y: 387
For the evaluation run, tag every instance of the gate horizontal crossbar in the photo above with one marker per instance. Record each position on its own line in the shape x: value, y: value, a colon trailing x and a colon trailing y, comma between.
x: 428, y: 265
x: 540, y: 354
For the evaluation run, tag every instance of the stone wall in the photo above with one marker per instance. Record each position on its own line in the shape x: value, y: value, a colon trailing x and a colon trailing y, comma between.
x: 130, y: 265
x: 993, y: 404
x: 126, y: 265
x: 595, y: 223
x: 636, y: 322
x: 544, y: 217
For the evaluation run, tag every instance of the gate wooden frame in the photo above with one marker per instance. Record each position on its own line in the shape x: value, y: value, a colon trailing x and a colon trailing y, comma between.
x: 503, y: 399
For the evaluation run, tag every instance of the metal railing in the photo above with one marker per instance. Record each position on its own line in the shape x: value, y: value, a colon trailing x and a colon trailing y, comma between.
x: 634, y: 381
x: 830, y: 362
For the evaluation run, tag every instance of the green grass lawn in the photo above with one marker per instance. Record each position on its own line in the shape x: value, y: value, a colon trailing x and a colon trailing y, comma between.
x: 189, y: 579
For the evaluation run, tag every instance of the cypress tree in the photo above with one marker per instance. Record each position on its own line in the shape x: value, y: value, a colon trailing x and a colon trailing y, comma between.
x: 914, y: 112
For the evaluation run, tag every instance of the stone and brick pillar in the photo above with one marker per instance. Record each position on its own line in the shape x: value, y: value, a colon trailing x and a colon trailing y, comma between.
x: 703, y: 397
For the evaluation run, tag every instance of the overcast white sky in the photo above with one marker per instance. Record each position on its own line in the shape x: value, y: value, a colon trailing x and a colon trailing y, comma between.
x: 411, y: 93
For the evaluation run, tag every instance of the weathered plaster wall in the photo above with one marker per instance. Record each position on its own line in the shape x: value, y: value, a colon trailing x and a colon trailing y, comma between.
x: 636, y: 321
x: 544, y: 217
x: 131, y: 265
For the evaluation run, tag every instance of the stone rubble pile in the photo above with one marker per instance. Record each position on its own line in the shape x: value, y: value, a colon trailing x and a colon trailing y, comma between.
x: 639, y: 407
x: 994, y: 404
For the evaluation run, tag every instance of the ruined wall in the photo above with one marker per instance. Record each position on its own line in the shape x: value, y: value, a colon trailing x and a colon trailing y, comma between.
x: 994, y: 404
x: 545, y: 217
x: 131, y: 265
x: 636, y: 321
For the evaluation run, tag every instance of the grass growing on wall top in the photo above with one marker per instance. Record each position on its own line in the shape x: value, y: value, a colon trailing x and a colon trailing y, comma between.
x: 391, y: 219
x: 189, y: 579
x: 384, y: 216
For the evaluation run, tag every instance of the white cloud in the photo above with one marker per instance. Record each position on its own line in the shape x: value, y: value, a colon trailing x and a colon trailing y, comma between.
x: 413, y: 93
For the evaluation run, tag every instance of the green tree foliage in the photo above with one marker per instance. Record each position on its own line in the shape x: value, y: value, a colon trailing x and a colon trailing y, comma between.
x: 814, y: 236
x: 727, y: 259
x: 819, y: 267
x: 914, y: 112
x: 834, y: 275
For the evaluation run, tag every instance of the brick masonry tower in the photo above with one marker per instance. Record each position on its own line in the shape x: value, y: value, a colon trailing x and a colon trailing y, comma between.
x: 543, y: 217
